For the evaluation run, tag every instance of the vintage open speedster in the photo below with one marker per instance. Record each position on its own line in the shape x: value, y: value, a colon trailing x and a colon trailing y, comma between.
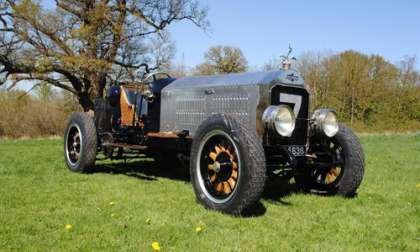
x: 234, y: 129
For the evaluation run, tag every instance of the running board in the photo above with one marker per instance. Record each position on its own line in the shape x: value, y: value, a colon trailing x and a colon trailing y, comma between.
x: 129, y: 146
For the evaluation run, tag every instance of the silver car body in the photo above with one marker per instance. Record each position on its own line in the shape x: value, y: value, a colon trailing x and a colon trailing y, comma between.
x: 188, y: 101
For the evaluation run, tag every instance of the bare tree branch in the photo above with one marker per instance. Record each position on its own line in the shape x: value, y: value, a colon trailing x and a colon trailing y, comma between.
x: 88, y: 43
x: 39, y: 77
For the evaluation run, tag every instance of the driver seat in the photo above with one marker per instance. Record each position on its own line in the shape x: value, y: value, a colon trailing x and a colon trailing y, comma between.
x: 127, y: 106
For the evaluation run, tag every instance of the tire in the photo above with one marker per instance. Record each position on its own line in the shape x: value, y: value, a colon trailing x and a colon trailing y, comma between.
x: 244, y: 158
x: 80, y: 142
x: 352, y: 167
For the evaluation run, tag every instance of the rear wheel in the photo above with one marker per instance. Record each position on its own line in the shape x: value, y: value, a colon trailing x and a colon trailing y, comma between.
x: 227, y: 165
x: 336, y: 166
x: 80, y: 142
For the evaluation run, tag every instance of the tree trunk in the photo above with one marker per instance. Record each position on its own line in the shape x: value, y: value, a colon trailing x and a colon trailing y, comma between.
x: 85, y: 101
x: 94, y: 88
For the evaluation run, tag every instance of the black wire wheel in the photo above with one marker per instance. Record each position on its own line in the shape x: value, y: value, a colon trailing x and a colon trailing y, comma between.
x: 227, y: 165
x: 335, y: 165
x: 73, y: 144
x: 80, y: 142
x: 328, y: 166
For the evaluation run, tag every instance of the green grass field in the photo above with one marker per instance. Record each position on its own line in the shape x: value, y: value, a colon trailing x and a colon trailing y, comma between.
x: 127, y: 207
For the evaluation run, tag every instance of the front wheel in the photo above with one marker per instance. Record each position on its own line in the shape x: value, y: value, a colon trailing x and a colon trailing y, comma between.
x: 336, y: 166
x: 227, y: 165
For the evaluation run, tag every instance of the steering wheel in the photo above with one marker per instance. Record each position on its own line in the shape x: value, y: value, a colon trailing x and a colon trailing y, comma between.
x: 150, y: 75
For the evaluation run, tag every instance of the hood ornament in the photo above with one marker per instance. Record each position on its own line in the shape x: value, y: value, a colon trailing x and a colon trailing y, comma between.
x: 286, y: 60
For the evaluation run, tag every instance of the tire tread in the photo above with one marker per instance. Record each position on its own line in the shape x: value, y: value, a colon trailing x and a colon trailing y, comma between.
x: 254, y: 187
x: 89, y: 142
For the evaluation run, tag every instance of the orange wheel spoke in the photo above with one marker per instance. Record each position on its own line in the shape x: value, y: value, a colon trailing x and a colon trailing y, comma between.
x: 338, y: 170
x: 219, y: 187
x: 210, y: 167
x: 213, y: 178
x: 226, y: 188
x: 234, y: 166
x: 213, y: 156
x: 330, y: 178
x: 217, y: 149
x: 234, y: 174
x: 232, y: 182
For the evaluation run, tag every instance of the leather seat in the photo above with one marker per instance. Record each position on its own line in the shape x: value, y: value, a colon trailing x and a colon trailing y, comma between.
x: 127, y: 101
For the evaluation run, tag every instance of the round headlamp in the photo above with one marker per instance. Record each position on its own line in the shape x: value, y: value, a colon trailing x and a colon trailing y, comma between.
x: 281, y: 118
x: 326, y: 121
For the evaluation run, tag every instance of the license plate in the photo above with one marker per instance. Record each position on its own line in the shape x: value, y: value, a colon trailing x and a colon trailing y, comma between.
x: 297, y: 150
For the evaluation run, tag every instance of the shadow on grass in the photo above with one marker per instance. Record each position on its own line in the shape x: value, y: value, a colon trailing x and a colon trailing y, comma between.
x: 143, y: 169
x: 276, y: 190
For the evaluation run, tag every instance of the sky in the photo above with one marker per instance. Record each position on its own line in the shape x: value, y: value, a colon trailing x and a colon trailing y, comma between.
x: 263, y: 29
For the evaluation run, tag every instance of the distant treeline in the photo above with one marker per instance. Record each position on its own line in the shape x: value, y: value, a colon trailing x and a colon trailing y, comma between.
x: 369, y: 93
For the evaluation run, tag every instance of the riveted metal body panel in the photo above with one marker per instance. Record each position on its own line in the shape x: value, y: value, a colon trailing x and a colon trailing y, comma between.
x: 187, y: 102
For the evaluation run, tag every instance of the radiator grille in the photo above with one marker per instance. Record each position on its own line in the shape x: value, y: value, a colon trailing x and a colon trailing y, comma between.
x: 300, y: 133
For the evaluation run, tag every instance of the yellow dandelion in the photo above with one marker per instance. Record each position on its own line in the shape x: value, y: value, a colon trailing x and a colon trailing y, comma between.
x: 68, y: 226
x: 112, y: 215
x: 155, y: 246
x: 198, y: 229
x: 418, y: 186
x: 148, y: 220
x: 111, y: 203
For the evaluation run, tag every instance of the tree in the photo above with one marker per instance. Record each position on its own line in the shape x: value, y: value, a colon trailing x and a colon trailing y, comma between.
x: 408, y: 74
x: 313, y: 67
x: 365, y: 90
x: 82, y: 45
x: 223, y: 59
x: 273, y: 64
x: 44, y: 92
